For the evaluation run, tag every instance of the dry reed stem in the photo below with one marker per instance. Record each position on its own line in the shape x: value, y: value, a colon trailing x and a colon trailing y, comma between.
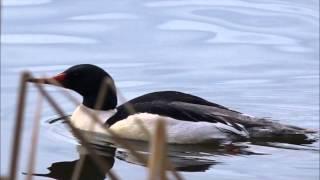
x: 131, y: 110
x: 78, y: 167
x: 18, y: 126
x: 34, y: 138
x: 142, y: 126
x: 103, y: 91
x: 114, y: 136
x: 98, y: 105
x: 75, y: 131
x: 158, y: 148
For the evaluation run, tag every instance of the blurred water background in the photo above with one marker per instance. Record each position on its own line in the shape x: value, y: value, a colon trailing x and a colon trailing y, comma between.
x: 260, y: 57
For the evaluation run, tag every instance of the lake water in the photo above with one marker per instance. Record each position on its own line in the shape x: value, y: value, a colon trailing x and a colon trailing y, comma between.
x: 255, y: 56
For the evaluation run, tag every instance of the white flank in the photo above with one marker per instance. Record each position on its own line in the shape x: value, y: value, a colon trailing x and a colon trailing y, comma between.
x: 178, y: 131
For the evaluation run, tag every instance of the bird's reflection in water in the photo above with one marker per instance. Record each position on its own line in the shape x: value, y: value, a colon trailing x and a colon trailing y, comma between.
x: 190, y: 158
x: 89, y: 170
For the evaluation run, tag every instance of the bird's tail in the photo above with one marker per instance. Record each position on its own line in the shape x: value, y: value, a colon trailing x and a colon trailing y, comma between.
x: 277, y: 132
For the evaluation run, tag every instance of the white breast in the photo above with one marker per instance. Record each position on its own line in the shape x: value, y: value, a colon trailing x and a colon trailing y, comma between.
x: 81, y: 119
x: 180, y: 132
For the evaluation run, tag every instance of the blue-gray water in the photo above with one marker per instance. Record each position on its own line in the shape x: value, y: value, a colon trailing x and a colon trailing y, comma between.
x: 255, y: 56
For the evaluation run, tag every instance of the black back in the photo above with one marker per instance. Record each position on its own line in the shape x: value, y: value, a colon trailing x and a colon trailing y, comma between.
x: 173, y: 104
x: 170, y: 96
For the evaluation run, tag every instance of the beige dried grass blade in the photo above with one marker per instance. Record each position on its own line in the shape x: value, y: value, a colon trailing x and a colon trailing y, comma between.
x: 34, y: 138
x: 115, y: 137
x: 77, y: 169
x: 74, y: 130
x: 102, y: 93
x: 142, y: 126
x: 130, y: 108
x: 98, y: 105
x: 18, y: 126
x: 158, y: 159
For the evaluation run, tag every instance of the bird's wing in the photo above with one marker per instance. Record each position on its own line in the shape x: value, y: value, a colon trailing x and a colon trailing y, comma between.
x: 178, y: 110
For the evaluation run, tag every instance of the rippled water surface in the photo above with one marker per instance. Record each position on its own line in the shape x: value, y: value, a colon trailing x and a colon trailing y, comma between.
x: 255, y: 56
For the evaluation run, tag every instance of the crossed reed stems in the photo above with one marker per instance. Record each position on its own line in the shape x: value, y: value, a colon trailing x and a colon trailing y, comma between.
x: 158, y: 163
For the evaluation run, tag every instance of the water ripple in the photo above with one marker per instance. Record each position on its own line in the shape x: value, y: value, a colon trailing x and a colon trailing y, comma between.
x: 105, y: 16
x: 50, y: 68
x: 24, y: 2
x: 44, y: 39
x: 280, y: 7
x: 224, y: 35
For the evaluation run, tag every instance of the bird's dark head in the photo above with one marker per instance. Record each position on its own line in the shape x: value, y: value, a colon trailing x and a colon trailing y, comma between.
x: 87, y: 80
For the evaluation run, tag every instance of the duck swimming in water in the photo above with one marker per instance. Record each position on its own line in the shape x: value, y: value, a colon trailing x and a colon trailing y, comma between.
x: 190, y: 119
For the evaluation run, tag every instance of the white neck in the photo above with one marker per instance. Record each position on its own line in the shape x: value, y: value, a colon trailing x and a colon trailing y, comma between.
x: 81, y: 118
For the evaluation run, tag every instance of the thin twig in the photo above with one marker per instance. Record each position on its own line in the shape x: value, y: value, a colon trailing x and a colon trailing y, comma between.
x: 18, y: 126
x: 98, y: 105
x: 35, y: 135
x: 78, y: 167
x: 74, y: 130
x: 102, y: 93
x: 113, y: 135
x: 158, y: 149
x: 131, y: 110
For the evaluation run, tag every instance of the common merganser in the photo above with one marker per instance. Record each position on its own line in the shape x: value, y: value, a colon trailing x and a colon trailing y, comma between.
x: 189, y: 119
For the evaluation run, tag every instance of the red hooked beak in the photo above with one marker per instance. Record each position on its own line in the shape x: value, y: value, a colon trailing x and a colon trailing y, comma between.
x: 55, y: 80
